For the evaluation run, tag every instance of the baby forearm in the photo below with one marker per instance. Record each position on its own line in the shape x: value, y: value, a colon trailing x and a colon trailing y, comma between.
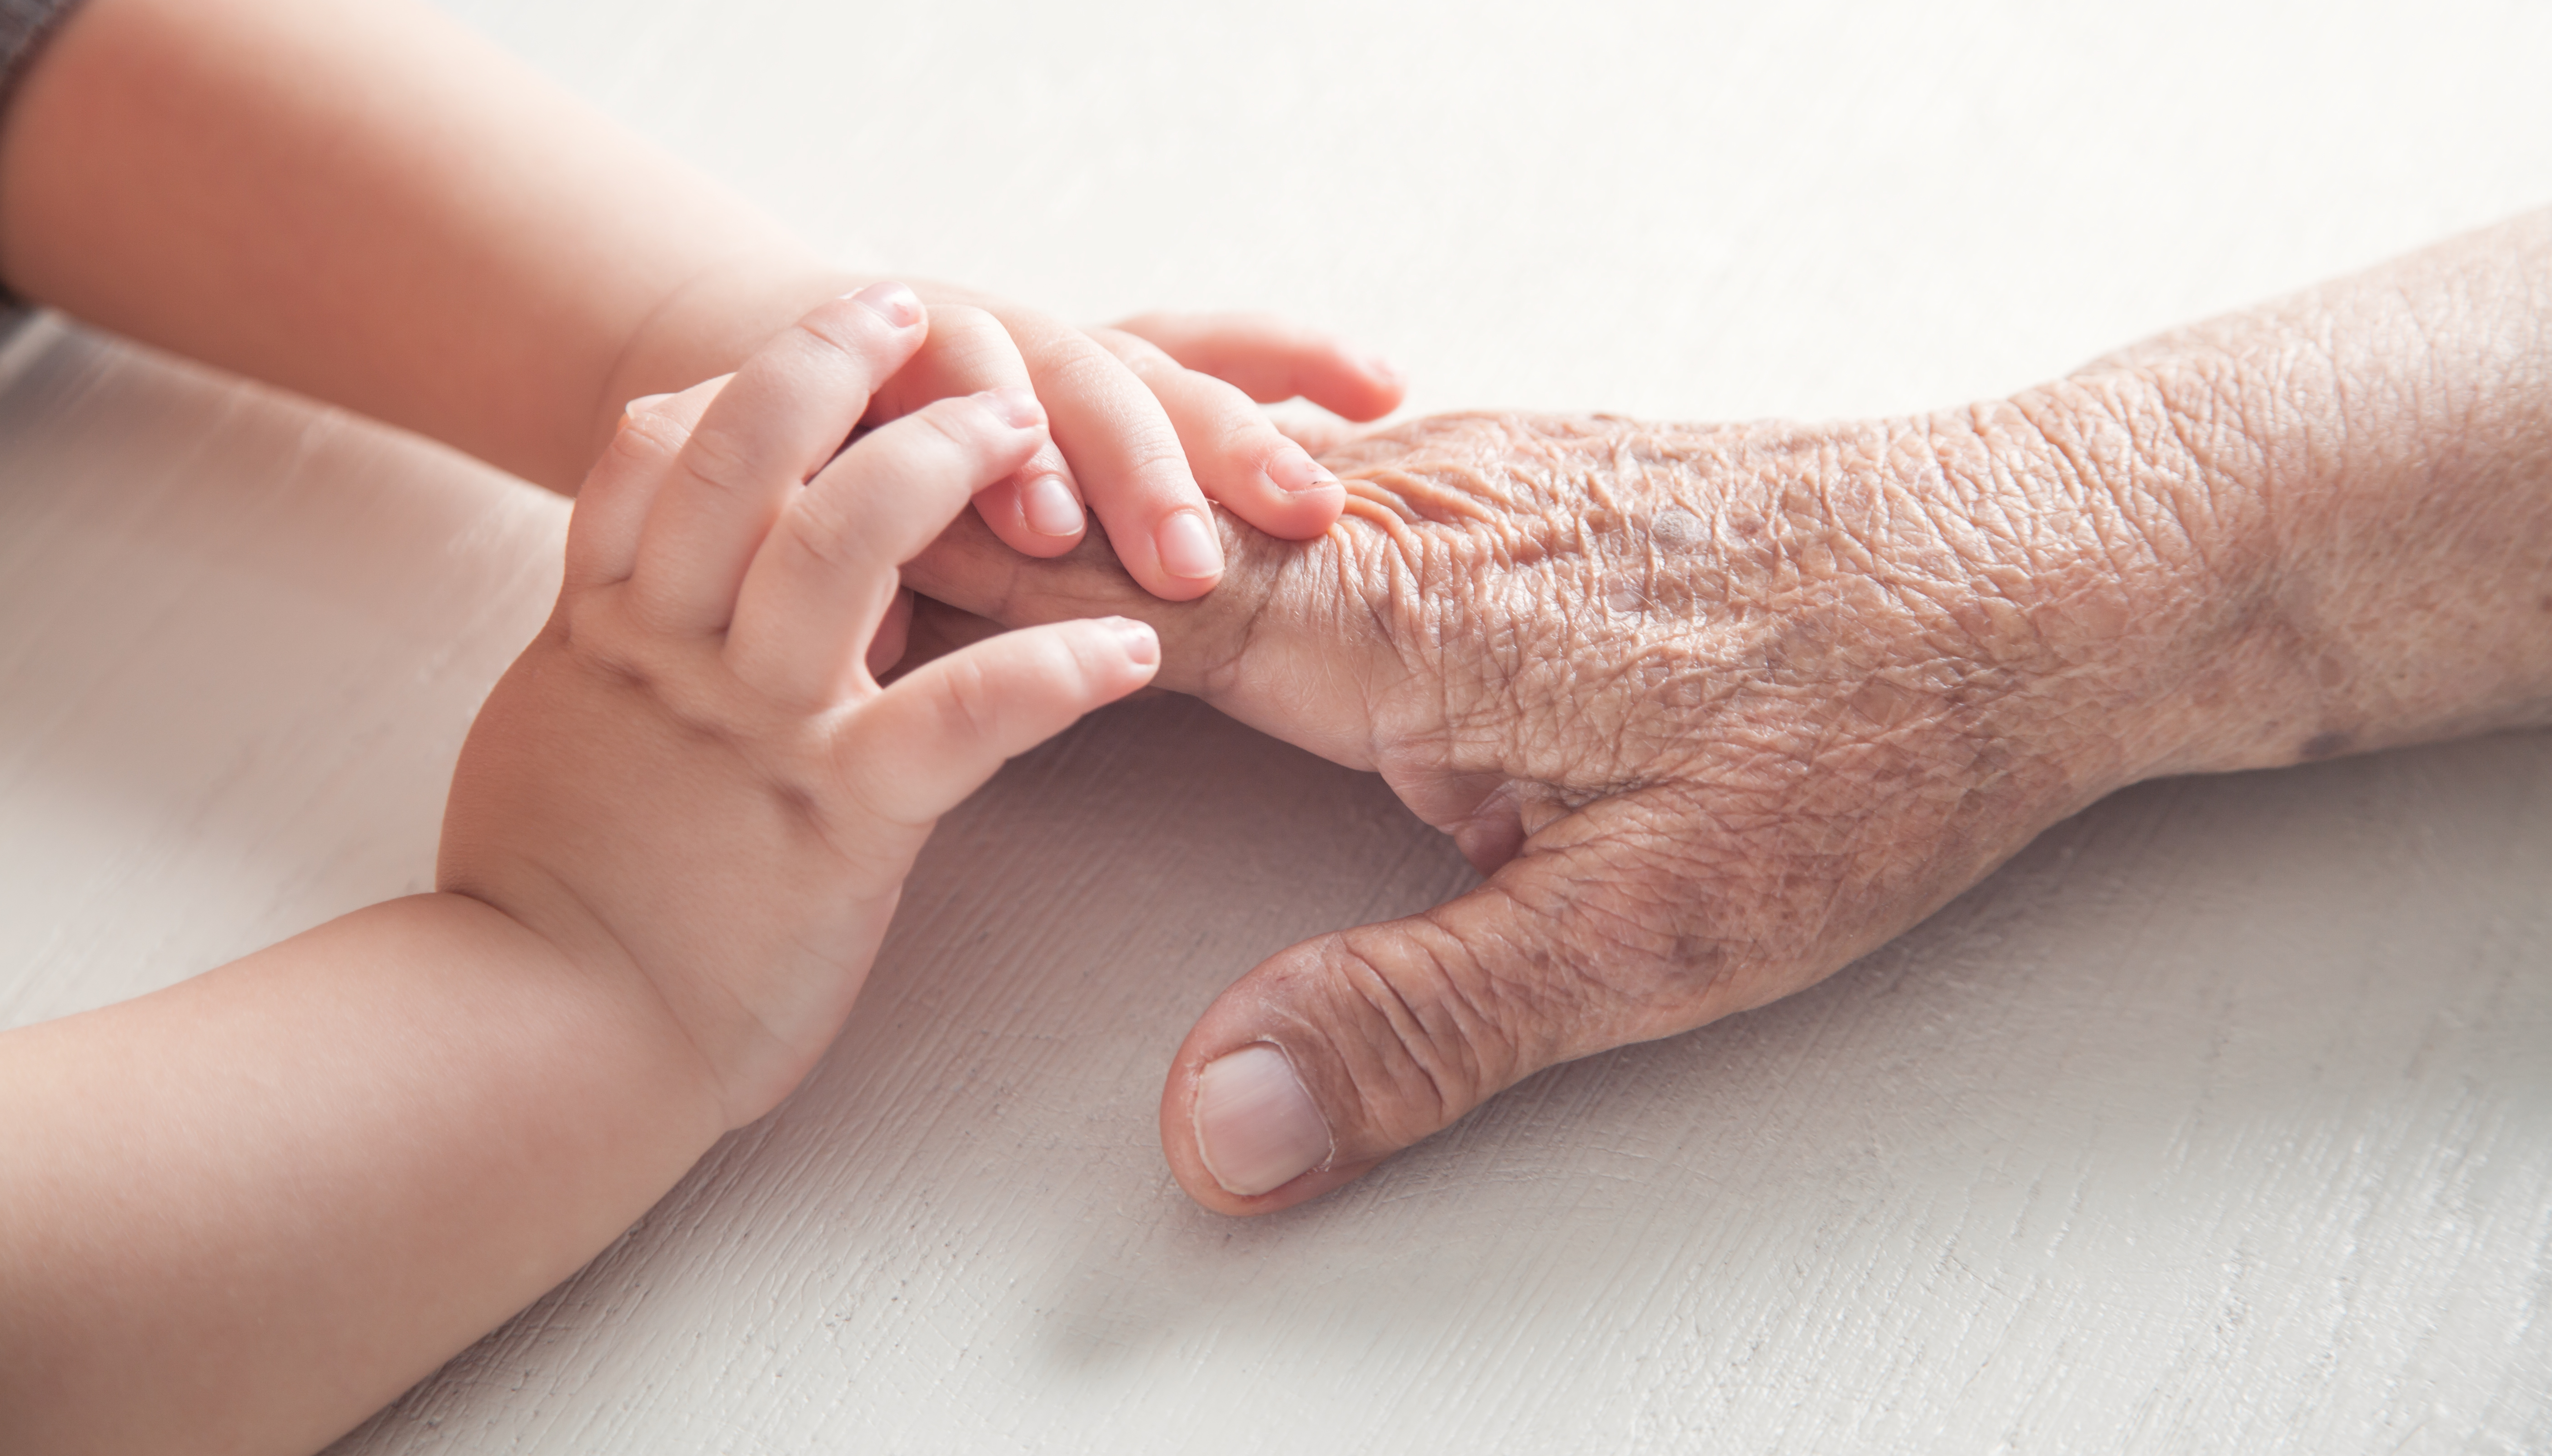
x: 245, y: 1212
x: 367, y: 204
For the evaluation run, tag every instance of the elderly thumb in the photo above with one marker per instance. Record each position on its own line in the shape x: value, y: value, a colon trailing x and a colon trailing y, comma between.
x: 1336, y: 1053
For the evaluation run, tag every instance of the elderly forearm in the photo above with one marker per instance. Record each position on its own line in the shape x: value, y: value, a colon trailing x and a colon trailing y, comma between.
x: 1721, y: 707
x: 367, y: 204
x: 2362, y: 477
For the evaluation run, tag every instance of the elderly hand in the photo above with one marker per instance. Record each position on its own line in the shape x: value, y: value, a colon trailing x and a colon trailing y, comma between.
x: 1717, y: 709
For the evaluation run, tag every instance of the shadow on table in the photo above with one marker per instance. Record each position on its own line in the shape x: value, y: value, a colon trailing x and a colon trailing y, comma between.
x: 2219, y: 1080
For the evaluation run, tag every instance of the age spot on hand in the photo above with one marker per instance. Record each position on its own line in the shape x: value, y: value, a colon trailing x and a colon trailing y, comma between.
x: 1675, y: 529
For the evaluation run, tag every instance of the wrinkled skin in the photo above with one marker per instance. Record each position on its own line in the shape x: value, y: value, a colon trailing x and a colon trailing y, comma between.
x: 1717, y: 709
x: 1721, y: 709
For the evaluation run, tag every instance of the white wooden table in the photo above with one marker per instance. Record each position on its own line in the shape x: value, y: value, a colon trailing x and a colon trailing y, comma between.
x: 2221, y: 1119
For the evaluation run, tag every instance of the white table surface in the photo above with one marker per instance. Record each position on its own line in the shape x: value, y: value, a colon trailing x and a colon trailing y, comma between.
x: 2221, y: 1119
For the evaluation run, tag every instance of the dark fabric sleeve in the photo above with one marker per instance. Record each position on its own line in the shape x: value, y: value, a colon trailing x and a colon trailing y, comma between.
x: 24, y: 24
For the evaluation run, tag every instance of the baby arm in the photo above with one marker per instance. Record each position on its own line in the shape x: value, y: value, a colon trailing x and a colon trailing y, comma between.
x: 245, y: 1212
x: 360, y: 200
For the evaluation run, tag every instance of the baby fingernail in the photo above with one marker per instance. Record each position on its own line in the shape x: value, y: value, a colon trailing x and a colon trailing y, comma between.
x: 1143, y: 645
x: 1383, y: 369
x: 1050, y: 507
x: 643, y: 401
x: 893, y: 303
x: 1189, y: 548
x: 1013, y: 406
x: 1256, y: 1128
x: 1294, y: 473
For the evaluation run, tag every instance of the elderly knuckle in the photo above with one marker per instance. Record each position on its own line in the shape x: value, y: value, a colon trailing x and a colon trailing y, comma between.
x: 1437, y: 1039
x: 1615, y: 955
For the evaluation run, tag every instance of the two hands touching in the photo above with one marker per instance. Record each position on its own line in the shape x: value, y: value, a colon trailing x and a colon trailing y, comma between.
x: 675, y: 837
x: 1152, y: 422
x: 1717, y: 709
x: 730, y: 592
x: 248, y: 1209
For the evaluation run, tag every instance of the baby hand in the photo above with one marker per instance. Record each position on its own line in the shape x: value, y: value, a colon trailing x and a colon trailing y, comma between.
x: 691, y: 775
x: 1155, y: 423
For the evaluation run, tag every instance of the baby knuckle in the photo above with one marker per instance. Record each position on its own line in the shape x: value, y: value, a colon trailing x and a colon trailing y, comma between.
x: 1156, y: 456
x: 718, y: 461
x: 597, y: 627
x: 647, y: 440
x: 1076, y: 367
x: 970, y: 708
x: 957, y: 430
x: 1041, y: 664
x: 1245, y: 432
x: 1080, y: 659
x: 1146, y: 359
x: 844, y: 331
x: 966, y: 320
x: 970, y: 344
x: 820, y: 524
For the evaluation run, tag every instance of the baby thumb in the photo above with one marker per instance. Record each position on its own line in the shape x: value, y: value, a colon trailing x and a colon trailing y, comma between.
x: 1333, y: 1055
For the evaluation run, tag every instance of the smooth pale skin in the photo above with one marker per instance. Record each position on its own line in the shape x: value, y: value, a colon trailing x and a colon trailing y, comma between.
x: 1719, y: 708
x: 242, y: 1214
x: 359, y: 200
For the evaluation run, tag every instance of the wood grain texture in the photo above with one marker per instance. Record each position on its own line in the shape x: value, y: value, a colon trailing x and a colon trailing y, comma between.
x: 2220, y: 1119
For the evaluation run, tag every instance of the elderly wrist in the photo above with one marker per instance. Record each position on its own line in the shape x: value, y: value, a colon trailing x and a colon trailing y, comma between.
x: 2026, y: 582
x: 2150, y: 601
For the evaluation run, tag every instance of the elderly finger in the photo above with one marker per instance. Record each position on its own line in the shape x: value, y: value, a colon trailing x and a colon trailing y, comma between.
x: 771, y: 428
x: 1272, y: 359
x: 932, y: 629
x: 969, y: 571
x: 1330, y: 1056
